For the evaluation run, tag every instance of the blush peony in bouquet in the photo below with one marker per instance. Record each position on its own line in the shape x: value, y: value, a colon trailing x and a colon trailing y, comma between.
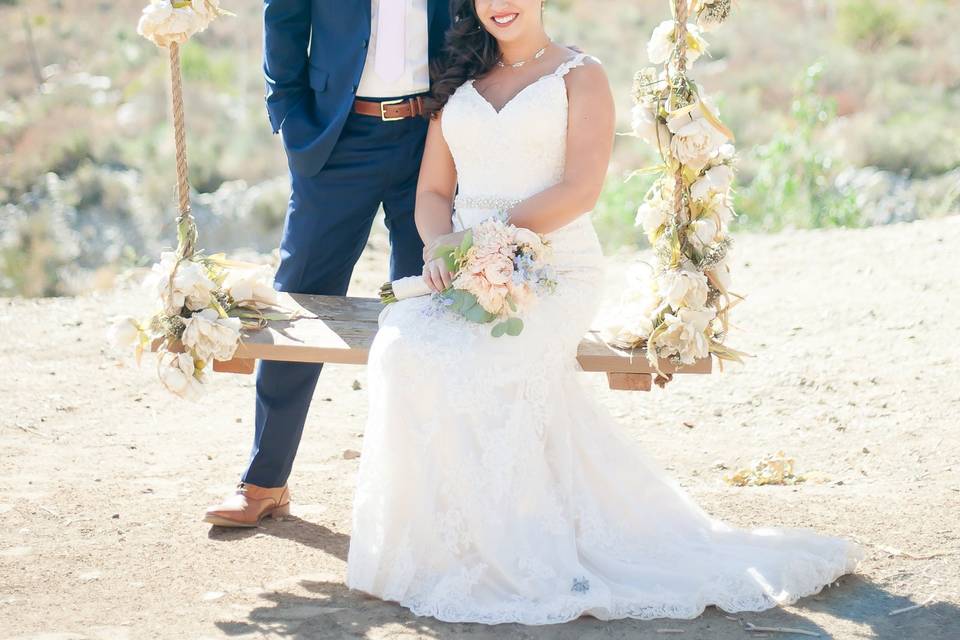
x: 499, y: 272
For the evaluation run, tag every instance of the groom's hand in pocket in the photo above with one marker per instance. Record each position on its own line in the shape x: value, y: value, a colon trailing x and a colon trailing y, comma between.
x: 436, y: 275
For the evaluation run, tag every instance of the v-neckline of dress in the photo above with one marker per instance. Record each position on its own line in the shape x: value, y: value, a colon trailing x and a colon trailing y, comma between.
x: 553, y: 74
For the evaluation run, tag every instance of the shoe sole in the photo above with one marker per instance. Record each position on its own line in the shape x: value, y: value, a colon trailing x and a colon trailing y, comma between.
x: 220, y: 521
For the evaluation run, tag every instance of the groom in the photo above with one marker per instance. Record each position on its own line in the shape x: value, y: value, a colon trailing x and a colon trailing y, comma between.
x: 344, y: 81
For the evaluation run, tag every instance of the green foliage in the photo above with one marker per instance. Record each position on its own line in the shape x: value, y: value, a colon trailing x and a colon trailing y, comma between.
x: 510, y: 327
x: 793, y: 181
x: 871, y: 24
x: 200, y: 65
x: 613, y: 215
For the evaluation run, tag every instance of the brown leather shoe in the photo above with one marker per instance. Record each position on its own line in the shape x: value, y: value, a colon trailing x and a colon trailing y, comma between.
x: 249, y: 505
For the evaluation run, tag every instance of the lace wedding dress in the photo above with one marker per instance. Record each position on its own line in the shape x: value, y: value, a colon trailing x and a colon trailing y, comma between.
x: 491, y: 487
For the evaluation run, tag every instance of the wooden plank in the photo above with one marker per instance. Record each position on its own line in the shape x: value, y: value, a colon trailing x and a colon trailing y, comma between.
x: 310, y: 340
x: 596, y: 355
x: 630, y: 381
x: 340, y: 330
x: 332, y: 307
x: 236, y: 365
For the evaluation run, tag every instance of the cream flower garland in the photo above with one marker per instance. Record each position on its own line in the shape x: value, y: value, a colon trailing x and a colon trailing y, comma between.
x: 203, y: 302
x: 681, y: 312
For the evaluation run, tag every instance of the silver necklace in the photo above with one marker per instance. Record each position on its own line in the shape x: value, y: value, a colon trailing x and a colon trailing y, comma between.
x: 520, y: 63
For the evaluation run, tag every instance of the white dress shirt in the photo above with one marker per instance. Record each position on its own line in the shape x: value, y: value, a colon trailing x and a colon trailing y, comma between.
x: 416, y: 72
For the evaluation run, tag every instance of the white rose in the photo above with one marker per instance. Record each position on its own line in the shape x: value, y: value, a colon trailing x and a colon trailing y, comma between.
x: 703, y: 231
x: 694, y: 142
x: 716, y: 180
x: 720, y: 274
x: 652, y: 214
x: 682, y: 288
x: 163, y: 24
x: 124, y: 332
x: 190, y: 286
x: 684, y: 336
x: 210, y: 336
x: 699, y: 319
x: 251, y: 287
x: 661, y: 42
x: 648, y: 127
x: 179, y: 376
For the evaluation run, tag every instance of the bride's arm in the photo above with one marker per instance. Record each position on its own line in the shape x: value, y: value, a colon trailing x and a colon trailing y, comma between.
x: 590, y: 132
x: 436, y: 187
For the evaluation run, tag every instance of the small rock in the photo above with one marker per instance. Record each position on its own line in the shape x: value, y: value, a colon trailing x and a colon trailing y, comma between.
x: 356, y: 385
x: 351, y: 454
x: 116, y: 516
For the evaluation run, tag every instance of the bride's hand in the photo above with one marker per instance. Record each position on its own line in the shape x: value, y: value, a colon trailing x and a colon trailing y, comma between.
x: 446, y: 240
x: 436, y: 275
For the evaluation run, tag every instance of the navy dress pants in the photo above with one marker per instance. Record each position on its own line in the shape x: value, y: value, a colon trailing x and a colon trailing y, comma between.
x: 326, y: 228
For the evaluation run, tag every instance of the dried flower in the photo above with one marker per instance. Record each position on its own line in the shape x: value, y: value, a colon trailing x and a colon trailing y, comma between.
x: 712, y: 13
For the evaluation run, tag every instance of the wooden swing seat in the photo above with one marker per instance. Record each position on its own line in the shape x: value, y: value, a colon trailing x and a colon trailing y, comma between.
x: 340, y: 330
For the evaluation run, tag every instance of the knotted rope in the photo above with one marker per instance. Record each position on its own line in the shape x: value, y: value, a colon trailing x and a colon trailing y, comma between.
x: 186, y: 226
x: 680, y: 37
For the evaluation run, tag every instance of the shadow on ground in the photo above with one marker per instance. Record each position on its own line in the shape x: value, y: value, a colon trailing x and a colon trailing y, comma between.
x: 302, y: 531
x: 859, y: 607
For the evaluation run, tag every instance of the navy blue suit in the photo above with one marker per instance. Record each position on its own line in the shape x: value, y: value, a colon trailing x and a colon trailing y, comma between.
x: 343, y: 166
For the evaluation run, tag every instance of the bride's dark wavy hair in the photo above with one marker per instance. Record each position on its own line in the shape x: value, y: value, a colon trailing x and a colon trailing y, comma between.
x: 468, y: 52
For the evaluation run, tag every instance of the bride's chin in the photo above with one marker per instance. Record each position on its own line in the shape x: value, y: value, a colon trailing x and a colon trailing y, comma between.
x: 505, y: 37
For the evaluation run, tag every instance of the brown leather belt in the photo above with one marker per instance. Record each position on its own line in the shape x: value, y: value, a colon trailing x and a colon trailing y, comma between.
x: 390, y: 110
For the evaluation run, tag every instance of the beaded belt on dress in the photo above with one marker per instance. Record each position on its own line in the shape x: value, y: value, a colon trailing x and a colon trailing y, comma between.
x: 478, y: 202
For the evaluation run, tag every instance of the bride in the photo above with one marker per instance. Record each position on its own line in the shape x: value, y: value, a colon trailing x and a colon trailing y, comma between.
x: 492, y: 488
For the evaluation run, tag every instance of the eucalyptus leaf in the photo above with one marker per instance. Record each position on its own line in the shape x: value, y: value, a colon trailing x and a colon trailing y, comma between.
x: 498, y: 329
x: 514, y: 326
x: 478, y: 314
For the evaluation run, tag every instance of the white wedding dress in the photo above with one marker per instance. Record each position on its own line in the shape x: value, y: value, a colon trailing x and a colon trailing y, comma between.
x: 492, y: 488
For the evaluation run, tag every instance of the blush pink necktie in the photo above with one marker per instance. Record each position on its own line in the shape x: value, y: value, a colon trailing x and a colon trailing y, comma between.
x: 390, y: 39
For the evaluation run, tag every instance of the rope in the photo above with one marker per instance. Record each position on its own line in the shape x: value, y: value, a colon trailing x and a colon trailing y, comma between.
x: 681, y: 58
x: 186, y: 227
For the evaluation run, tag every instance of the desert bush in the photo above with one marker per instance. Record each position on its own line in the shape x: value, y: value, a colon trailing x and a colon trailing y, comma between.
x: 871, y: 24
x: 792, y: 175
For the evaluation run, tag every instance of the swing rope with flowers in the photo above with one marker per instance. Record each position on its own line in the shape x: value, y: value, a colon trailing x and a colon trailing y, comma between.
x: 221, y: 314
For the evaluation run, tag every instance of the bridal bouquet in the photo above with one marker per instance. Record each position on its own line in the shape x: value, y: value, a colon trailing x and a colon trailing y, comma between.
x: 681, y: 313
x: 499, y: 272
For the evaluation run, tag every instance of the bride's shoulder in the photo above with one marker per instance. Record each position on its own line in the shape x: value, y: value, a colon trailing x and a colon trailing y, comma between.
x: 585, y: 75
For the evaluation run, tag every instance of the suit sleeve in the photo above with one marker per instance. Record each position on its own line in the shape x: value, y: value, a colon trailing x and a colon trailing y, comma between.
x: 286, y: 38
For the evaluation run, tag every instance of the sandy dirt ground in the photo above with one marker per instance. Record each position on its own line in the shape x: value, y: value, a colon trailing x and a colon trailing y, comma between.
x: 104, y: 477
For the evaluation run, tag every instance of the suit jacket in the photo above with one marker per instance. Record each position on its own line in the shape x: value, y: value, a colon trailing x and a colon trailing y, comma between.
x: 313, y: 55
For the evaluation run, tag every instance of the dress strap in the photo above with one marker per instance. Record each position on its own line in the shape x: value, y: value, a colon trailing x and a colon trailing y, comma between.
x: 573, y: 63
